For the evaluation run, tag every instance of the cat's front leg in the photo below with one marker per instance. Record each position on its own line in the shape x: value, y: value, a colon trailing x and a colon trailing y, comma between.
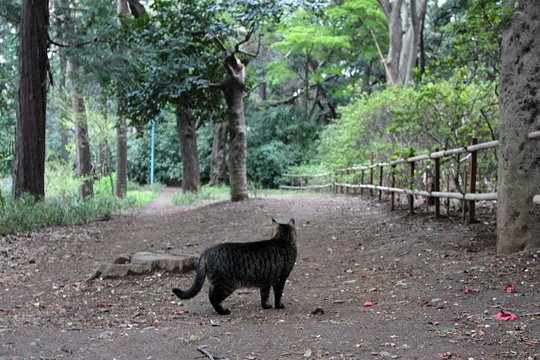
x: 265, y: 294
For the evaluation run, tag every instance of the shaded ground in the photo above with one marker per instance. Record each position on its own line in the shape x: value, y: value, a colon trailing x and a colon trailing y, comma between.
x: 435, y: 286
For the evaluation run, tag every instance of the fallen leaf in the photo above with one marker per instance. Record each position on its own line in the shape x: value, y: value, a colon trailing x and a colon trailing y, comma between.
x: 509, y: 288
x: 469, y: 289
x: 367, y: 304
x: 505, y: 315
x: 408, y: 273
x: 317, y: 311
x: 445, y: 355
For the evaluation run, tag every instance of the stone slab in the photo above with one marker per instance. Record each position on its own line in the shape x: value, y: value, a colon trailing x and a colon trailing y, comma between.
x: 144, y: 263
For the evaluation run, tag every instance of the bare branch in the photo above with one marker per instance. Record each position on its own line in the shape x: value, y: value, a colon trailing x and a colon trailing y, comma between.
x: 246, y: 39
x: 216, y: 39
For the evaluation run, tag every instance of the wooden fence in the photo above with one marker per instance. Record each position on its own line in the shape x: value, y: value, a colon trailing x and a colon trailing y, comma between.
x: 331, y: 180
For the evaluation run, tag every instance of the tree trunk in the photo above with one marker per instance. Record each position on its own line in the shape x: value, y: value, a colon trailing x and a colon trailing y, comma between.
x: 404, y: 27
x: 60, y: 7
x: 121, y: 158
x: 218, y: 166
x: 518, y: 218
x: 121, y: 129
x: 84, y: 162
x: 233, y: 89
x: 187, y: 136
x: 64, y: 155
x: 29, y: 164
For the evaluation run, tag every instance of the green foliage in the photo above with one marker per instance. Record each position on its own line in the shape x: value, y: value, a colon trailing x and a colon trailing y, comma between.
x: 465, y: 34
x: 435, y: 114
x: 277, y: 139
x: 62, y: 206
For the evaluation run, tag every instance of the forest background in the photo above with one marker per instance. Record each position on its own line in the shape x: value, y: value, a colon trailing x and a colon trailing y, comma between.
x: 327, y: 84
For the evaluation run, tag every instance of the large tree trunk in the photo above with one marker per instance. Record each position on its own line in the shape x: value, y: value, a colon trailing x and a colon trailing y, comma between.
x: 218, y: 165
x: 233, y: 89
x: 405, y: 24
x: 121, y: 129
x: 84, y: 161
x: 518, y: 218
x: 29, y: 164
x: 187, y: 136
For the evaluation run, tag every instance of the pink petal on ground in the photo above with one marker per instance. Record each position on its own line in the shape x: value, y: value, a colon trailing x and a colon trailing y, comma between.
x: 469, y: 289
x: 505, y: 315
x: 509, y: 288
x: 367, y: 304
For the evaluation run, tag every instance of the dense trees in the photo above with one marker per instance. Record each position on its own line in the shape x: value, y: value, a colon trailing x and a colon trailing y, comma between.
x: 244, y: 90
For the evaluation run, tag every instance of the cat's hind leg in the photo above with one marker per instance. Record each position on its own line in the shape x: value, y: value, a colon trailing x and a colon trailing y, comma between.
x: 265, y: 294
x: 217, y: 294
x: 278, y: 292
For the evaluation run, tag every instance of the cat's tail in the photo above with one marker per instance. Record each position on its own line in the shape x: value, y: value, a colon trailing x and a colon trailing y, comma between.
x: 200, y: 275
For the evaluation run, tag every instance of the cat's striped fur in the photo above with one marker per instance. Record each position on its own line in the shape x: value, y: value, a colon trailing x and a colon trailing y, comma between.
x: 264, y: 264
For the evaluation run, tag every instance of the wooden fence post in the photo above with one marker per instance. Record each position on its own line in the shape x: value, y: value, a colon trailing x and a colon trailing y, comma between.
x: 362, y: 182
x: 473, y: 182
x: 411, y: 196
x: 371, y: 174
x: 380, y: 181
x: 437, y: 186
x: 393, y: 194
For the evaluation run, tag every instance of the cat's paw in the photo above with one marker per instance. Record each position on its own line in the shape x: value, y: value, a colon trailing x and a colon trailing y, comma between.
x: 280, y: 306
x: 224, y: 311
x: 266, y: 306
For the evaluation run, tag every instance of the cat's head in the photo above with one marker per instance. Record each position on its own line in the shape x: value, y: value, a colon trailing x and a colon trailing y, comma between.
x: 284, y: 231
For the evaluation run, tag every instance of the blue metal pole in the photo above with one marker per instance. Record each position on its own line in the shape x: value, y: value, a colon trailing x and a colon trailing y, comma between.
x: 152, y: 154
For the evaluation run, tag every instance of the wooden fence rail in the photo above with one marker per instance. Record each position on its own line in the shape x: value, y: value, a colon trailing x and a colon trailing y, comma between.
x: 435, y: 194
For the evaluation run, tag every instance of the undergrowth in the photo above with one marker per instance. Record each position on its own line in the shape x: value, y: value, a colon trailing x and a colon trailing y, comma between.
x: 61, y: 205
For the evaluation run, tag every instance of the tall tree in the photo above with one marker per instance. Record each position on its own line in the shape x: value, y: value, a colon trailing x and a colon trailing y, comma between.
x: 233, y: 89
x: 187, y: 134
x: 518, y: 218
x: 405, y: 22
x: 219, y: 142
x: 84, y: 159
x: 29, y: 165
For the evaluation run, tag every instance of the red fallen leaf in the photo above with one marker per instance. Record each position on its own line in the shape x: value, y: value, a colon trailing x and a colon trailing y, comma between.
x: 408, y: 273
x: 469, y: 289
x: 367, y: 304
x: 177, y: 312
x: 505, y: 315
x: 509, y: 288
x: 425, y: 304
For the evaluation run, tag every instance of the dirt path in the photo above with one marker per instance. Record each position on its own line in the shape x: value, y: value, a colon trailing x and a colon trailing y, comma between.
x: 435, y: 288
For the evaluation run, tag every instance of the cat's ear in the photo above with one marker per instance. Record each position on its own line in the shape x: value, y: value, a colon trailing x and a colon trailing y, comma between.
x: 291, y: 222
x: 274, y: 221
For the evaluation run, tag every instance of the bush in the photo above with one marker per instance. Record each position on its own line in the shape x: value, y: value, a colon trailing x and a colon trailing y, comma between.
x: 434, y: 114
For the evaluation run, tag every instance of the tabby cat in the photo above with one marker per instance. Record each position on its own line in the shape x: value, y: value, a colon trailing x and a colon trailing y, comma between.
x: 264, y: 264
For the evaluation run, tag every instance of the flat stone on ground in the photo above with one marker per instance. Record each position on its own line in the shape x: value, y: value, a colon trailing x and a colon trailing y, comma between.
x: 146, y: 262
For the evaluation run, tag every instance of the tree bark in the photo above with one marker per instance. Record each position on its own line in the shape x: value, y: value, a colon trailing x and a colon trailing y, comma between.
x: 518, y: 218
x: 217, y: 165
x: 120, y: 189
x: 29, y: 164
x: 64, y: 155
x: 84, y: 161
x: 233, y: 89
x: 405, y: 24
x: 187, y: 136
